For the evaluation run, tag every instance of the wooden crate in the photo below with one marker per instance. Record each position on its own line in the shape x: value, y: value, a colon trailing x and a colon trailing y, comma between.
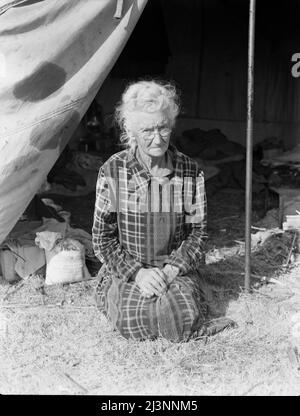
x: 289, y: 202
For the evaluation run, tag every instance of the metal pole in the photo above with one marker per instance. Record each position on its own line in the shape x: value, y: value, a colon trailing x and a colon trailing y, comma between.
x: 250, y: 94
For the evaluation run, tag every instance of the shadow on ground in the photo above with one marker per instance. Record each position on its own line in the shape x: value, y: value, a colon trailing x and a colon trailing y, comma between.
x: 223, y: 280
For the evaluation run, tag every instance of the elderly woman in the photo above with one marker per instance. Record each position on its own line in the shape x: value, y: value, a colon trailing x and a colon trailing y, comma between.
x: 149, y: 224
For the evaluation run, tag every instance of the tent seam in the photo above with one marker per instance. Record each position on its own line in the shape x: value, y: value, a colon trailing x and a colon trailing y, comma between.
x: 46, y: 117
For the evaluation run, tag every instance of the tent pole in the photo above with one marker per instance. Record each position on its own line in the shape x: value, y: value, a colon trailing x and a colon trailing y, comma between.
x: 250, y: 94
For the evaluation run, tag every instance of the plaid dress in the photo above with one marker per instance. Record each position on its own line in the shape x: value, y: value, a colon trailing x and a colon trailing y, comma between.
x: 143, y: 221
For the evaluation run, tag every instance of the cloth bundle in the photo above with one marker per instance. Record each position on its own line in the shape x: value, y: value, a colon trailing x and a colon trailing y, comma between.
x: 20, y: 261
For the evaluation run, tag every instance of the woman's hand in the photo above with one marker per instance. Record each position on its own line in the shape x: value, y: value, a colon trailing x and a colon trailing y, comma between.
x: 170, y: 272
x: 151, y: 281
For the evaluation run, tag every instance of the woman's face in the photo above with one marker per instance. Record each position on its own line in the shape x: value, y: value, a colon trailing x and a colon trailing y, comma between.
x: 152, y: 132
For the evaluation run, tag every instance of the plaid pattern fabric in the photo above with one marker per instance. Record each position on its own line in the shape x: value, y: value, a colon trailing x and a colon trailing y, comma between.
x: 129, y: 208
x: 175, y: 315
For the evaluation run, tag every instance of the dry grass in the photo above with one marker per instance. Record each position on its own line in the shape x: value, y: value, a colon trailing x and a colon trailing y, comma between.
x: 60, y: 344
x: 56, y: 342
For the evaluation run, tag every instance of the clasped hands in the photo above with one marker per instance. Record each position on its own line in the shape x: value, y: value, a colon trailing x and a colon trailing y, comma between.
x: 155, y: 281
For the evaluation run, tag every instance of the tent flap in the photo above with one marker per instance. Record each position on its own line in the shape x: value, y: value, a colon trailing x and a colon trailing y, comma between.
x: 54, y: 56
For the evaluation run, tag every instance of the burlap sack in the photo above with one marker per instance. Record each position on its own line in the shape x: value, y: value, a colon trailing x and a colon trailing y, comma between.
x: 65, y: 258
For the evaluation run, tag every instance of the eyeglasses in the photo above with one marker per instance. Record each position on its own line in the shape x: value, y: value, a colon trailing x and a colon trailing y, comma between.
x: 149, y: 134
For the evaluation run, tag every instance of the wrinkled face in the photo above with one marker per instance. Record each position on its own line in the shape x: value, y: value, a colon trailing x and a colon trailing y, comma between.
x: 152, y: 132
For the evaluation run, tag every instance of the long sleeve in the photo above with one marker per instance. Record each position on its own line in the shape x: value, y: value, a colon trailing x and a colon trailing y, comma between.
x: 189, y: 255
x: 106, y: 243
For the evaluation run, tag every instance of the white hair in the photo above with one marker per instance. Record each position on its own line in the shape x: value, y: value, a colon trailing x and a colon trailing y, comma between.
x: 147, y: 96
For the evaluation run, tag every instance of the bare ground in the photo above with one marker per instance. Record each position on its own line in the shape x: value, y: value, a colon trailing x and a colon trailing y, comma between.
x: 53, y: 340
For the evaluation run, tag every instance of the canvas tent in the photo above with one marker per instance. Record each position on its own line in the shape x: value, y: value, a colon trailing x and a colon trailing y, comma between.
x: 54, y: 56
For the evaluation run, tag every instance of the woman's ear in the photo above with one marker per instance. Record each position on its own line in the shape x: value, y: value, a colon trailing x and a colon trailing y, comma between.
x: 131, y: 140
x: 127, y: 129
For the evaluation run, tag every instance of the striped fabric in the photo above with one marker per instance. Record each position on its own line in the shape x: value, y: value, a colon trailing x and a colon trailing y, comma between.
x: 143, y: 222
x: 175, y: 315
x: 123, y: 218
